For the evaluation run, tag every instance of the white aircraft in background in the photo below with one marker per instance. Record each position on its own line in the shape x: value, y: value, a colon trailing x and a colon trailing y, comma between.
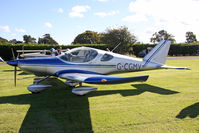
x: 89, y: 65
x: 1, y: 60
x: 38, y: 53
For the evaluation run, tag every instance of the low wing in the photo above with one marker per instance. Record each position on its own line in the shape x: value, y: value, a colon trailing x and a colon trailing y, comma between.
x: 96, y: 78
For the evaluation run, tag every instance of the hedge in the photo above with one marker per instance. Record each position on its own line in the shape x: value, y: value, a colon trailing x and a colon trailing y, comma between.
x: 184, y: 50
x: 175, y: 49
x: 181, y: 49
x: 6, y: 53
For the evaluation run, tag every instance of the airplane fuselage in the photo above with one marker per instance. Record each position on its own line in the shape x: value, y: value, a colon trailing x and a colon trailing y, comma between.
x: 50, y: 65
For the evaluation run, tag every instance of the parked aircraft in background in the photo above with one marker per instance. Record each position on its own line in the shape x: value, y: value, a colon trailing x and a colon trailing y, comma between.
x: 89, y: 65
x: 34, y: 53
x: 39, y: 53
x: 1, y: 60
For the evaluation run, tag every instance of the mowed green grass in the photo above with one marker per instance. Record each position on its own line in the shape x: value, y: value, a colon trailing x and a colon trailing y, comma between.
x: 168, y: 102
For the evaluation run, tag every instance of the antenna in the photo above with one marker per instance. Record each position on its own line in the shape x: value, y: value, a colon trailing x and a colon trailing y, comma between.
x: 116, y: 47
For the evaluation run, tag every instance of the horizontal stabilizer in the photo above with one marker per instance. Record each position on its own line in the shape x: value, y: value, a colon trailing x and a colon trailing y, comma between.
x: 173, y: 67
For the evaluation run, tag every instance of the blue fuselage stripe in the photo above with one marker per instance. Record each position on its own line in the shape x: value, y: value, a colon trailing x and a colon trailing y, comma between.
x: 55, y: 62
x: 80, y: 65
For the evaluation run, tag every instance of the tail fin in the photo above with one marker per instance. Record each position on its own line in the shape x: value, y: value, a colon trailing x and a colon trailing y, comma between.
x: 159, y: 53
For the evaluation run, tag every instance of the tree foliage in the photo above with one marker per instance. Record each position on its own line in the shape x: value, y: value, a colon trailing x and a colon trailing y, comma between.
x: 47, y: 39
x: 29, y: 39
x: 190, y: 37
x: 87, y: 37
x: 120, y: 35
x: 162, y: 35
x: 14, y: 41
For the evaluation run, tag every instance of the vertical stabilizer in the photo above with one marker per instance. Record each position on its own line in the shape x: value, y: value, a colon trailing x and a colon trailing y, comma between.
x: 159, y: 53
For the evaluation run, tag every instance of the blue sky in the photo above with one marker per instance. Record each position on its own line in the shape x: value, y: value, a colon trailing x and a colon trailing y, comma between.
x: 65, y: 19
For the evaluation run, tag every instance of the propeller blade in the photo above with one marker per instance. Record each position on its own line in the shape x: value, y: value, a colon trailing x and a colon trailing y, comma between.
x: 15, y: 76
x: 15, y: 68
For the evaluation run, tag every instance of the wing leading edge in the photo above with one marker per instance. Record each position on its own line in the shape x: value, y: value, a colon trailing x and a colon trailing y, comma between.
x: 97, y: 78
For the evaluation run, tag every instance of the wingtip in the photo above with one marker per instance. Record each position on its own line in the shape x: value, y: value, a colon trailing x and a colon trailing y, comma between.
x: 185, y: 68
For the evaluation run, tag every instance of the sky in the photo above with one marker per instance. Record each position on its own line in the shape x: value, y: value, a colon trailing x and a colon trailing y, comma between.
x: 65, y: 19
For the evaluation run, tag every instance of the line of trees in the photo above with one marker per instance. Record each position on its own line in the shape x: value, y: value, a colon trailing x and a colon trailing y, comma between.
x: 111, y: 36
x: 122, y: 35
x: 28, y: 39
x: 162, y: 35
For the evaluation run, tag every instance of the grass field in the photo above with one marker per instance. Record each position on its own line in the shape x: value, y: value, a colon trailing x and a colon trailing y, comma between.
x: 167, y: 103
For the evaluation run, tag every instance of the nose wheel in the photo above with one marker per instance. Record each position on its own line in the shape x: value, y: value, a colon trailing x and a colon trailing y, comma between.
x: 80, y: 84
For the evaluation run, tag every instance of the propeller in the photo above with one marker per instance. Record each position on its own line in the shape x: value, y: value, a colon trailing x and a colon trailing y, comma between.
x: 15, y: 68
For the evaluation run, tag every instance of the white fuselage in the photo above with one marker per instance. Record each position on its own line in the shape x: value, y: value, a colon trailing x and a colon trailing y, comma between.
x: 117, y: 63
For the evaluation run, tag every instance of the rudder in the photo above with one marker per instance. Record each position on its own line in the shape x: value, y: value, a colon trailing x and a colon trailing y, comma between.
x: 159, y: 53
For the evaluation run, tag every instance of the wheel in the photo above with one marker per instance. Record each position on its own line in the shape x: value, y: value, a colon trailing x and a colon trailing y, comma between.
x: 36, y: 92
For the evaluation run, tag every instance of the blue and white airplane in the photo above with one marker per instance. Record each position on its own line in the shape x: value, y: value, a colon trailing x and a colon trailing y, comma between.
x: 89, y: 65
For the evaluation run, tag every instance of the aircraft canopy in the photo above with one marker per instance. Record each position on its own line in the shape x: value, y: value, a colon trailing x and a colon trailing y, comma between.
x: 79, y: 55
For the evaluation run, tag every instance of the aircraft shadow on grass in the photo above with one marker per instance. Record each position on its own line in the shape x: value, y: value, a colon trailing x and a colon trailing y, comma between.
x: 25, y: 73
x: 21, y: 72
x: 191, y: 111
x: 58, y: 110
x: 11, y: 70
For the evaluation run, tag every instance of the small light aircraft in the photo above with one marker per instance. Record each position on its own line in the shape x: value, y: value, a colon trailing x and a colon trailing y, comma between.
x: 38, y: 53
x: 89, y: 65
x: 34, y: 53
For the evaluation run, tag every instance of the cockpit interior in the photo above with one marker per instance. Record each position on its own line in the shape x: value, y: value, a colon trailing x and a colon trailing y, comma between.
x: 79, y: 56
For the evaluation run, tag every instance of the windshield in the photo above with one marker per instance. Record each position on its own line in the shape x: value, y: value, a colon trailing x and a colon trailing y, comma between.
x: 80, y: 56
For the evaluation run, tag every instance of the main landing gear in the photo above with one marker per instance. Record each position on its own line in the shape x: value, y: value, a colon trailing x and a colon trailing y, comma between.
x: 80, y: 90
x: 36, y: 87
